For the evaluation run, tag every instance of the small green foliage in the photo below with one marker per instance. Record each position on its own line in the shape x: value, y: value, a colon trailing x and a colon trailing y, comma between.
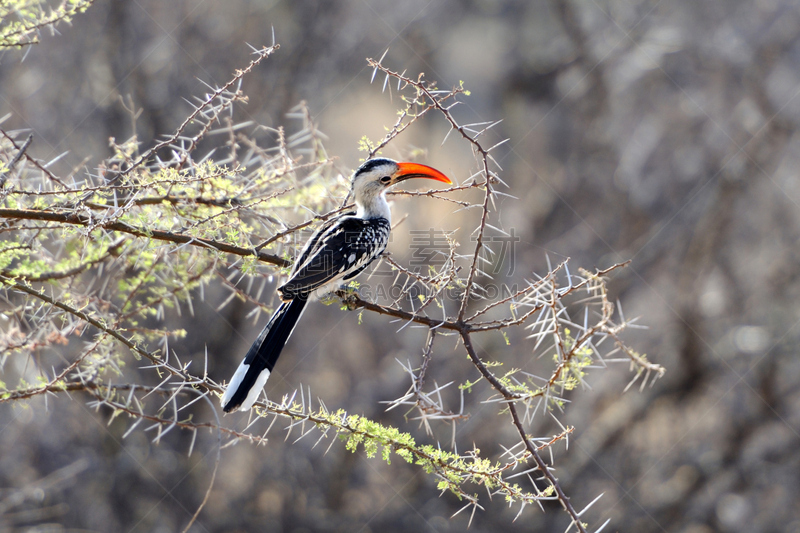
x: 11, y: 252
x: 365, y: 145
x: 22, y: 20
x: 573, y: 370
x: 467, y: 385
x: 454, y: 471
x: 249, y: 265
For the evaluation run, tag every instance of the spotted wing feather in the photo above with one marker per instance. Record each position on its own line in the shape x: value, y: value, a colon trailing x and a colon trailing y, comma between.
x: 339, y: 251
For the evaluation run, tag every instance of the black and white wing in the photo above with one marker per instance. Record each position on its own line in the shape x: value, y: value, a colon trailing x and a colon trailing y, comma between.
x: 338, y: 251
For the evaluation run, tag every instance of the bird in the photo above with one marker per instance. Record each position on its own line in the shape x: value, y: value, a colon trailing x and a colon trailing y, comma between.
x: 338, y: 251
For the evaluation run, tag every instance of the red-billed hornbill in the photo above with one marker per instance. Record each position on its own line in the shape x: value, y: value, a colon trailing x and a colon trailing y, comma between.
x: 338, y: 251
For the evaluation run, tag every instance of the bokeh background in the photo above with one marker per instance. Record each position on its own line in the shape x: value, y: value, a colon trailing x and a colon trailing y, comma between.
x: 657, y: 131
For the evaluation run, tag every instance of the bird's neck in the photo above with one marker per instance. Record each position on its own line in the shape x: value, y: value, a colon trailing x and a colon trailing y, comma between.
x: 373, y: 207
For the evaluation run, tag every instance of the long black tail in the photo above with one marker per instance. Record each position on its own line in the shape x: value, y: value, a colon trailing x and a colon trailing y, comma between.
x: 249, y: 379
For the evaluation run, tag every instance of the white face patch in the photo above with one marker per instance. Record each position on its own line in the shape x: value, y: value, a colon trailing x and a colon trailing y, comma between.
x: 351, y: 258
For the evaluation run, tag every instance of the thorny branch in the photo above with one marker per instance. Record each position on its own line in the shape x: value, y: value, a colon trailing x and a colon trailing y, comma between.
x: 221, y: 93
x: 23, y: 30
x: 484, y: 157
x: 82, y: 219
x: 143, y: 236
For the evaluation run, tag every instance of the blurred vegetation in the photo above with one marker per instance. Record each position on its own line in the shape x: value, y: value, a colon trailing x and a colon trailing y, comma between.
x: 22, y: 21
x: 661, y: 133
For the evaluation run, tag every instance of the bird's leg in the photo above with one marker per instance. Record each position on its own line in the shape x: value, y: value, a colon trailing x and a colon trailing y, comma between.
x: 343, y: 294
x: 347, y: 295
x: 328, y: 298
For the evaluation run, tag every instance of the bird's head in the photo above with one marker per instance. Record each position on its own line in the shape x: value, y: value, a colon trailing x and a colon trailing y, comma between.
x: 374, y: 176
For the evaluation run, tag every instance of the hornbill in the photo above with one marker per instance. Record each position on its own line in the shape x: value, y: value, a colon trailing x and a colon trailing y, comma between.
x: 338, y: 251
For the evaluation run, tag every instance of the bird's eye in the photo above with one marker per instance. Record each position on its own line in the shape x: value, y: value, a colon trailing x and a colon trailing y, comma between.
x: 386, y: 179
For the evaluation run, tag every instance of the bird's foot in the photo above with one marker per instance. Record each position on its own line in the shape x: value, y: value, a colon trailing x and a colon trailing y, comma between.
x: 347, y: 295
x: 329, y: 298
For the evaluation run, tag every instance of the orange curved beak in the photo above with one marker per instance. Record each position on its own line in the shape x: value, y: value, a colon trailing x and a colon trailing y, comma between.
x: 415, y: 170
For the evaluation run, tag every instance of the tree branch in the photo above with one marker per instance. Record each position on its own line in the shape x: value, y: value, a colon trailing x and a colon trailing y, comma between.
x: 85, y: 221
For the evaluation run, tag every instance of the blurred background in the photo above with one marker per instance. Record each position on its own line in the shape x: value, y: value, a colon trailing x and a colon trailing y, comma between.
x: 657, y: 131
